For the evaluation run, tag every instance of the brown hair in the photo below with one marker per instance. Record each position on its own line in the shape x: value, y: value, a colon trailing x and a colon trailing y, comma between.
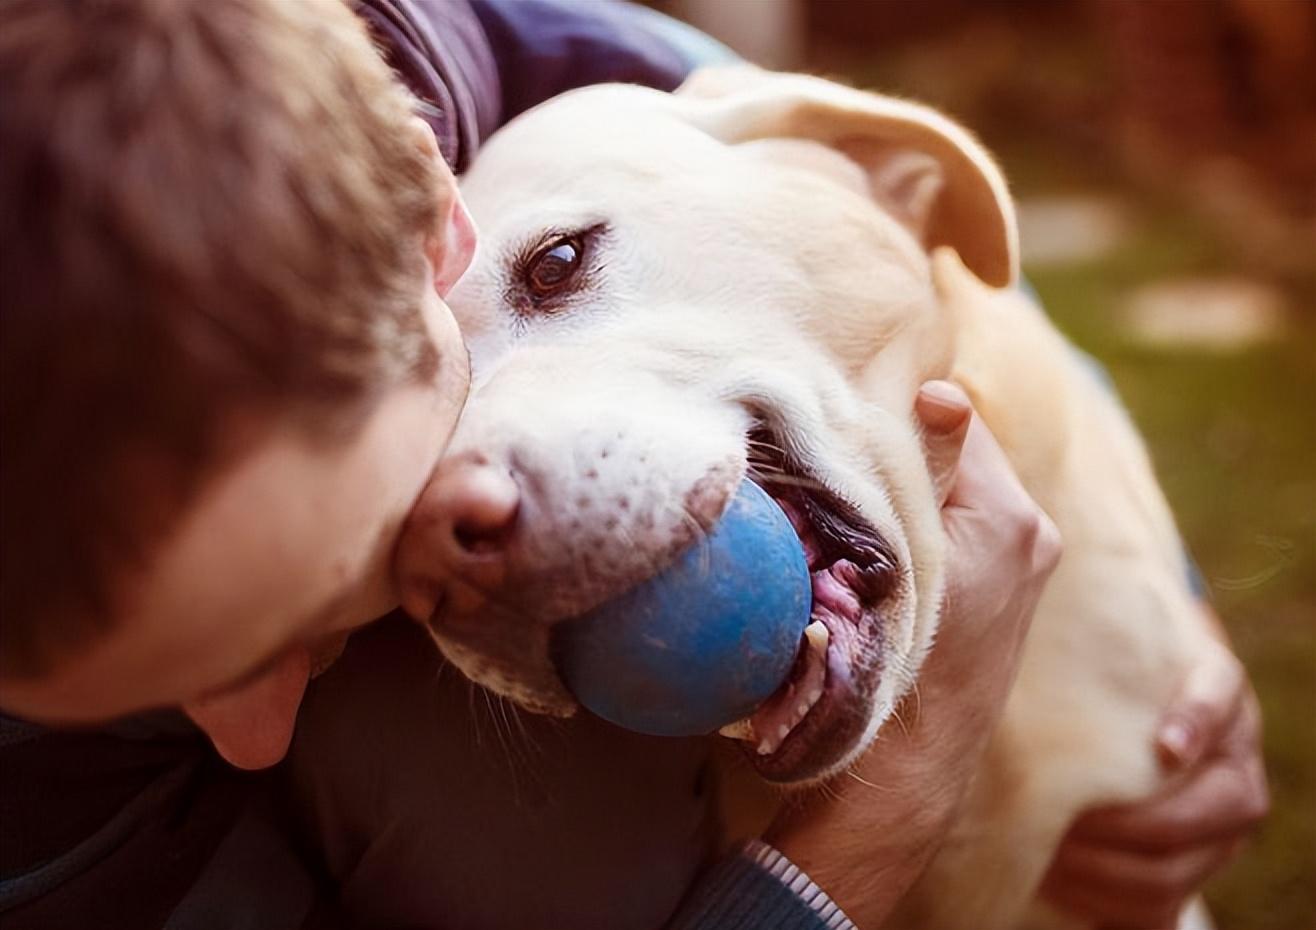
x: 205, y: 207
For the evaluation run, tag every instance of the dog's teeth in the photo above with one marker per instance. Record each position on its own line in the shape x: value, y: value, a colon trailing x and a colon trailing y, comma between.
x: 798, y: 707
x: 740, y: 729
x: 769, y: 745
x: 818, y: 635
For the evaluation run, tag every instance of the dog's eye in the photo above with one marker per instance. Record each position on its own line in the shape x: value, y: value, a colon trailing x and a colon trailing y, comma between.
x: 552, y: 267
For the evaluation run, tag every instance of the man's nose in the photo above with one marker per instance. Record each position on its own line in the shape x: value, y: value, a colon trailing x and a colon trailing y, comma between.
x: 460, y: 530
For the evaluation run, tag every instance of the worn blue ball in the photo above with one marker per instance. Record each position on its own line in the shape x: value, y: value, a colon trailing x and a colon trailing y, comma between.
x: 705, y: 641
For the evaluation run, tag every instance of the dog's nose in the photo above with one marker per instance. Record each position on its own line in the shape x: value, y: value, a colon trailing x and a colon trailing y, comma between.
x: 459, y: 531
x: 481, y: 502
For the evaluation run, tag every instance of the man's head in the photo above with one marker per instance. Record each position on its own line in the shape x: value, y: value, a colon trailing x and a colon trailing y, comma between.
x: 226, y: 368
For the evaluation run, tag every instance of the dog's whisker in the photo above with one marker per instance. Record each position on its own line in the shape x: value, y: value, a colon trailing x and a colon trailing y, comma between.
x: 500, y: 702
x: 830, y: 791
x: 783, y: 478
x: 527, y: 738
x: 439, y: 669
x: 765, y: 469
x: 516, y: 738
x: 863, y: 781
x: 900, y: 721
x: 700, y: 535
x: 767, y: 446
x: 494, y: 719
x: 776, y: 474
x: 651, y: 564
x: 471, y: 715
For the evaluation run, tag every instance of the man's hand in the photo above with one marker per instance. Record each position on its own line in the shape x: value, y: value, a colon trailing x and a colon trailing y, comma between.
x: 867, y: 838
x: 1136, y: 865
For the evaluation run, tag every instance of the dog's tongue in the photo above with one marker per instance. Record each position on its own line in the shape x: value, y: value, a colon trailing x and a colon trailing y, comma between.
x: 252, y: 726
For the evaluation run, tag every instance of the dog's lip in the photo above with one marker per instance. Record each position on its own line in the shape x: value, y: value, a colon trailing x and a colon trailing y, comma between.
x: 854, y: 664
x: 841, y: 544
x: 837, y: 720
x: 832, y: 530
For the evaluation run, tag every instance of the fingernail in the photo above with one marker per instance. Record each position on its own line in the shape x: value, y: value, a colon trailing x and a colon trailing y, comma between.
x: 942, y: 405
x: 1176, y: 741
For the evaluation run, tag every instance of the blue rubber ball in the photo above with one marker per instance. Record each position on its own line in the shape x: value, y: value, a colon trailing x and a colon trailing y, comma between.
x: 705, y: 641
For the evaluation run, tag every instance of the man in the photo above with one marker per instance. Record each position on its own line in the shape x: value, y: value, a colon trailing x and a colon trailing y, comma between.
x: 227, y: 373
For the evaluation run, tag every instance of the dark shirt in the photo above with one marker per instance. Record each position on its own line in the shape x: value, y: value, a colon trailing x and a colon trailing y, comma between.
x: 475, y: 65
x: 109, y: 828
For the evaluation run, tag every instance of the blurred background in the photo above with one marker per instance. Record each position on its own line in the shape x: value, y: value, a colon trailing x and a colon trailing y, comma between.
x: 1163, y: 153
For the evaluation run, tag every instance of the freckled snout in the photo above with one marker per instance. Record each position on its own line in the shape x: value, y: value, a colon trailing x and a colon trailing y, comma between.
x: 558, y: 492
x: 460, y: 531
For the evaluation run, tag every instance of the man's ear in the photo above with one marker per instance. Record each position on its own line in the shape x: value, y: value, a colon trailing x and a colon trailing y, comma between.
x: 453, y: 248
x: 925, y: 170
x: 450, y: 246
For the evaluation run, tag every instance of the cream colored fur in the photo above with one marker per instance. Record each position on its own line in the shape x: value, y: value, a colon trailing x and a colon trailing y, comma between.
x: 785, y: 246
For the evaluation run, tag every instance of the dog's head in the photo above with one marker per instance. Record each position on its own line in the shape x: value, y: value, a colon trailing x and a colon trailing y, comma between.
x: 673, y: 292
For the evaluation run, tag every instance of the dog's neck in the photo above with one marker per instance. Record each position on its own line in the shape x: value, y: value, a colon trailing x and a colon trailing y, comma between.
x: 1050, y: 412
x: 1018, y: 370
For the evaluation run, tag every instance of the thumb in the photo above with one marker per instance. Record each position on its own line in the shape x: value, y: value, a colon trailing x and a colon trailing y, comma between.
x: 1207, y: 701
x: 945, y: 412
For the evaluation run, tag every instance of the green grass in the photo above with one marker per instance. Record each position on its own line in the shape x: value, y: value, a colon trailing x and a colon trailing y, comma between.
x: 1233, y: 436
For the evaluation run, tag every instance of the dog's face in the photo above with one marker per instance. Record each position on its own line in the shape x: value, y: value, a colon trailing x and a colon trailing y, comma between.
x: 673, y: 293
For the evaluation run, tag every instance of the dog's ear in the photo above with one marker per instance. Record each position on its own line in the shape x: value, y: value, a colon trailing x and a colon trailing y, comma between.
x: 926, y: 170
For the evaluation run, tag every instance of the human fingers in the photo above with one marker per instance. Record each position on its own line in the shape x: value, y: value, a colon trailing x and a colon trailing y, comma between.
x: 944, y: 411
x: 1003, y: 546
x: 1116, y: 888
x: 1204, y: 709
x: 1224, y: 800
x: 992, y: 518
